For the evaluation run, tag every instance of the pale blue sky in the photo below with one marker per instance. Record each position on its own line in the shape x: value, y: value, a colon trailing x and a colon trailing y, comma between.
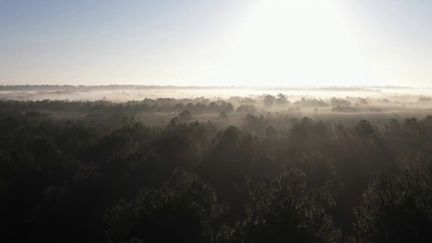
x: 223, y: 42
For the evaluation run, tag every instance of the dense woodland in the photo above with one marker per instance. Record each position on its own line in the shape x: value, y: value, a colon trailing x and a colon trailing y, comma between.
x: 103, y: 174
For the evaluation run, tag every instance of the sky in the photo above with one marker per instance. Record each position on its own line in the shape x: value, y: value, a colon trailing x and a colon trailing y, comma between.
x: 216, y: 43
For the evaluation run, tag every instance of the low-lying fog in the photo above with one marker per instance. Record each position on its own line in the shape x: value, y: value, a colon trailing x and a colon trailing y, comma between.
x: 127, y: 93
x: 158, y: 105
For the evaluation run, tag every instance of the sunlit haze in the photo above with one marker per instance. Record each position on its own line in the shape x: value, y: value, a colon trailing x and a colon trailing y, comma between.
x: 217, y: 43
x: 216, y: 121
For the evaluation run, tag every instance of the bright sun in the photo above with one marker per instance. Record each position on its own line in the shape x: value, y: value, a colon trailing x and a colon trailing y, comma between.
x: 288, y: 40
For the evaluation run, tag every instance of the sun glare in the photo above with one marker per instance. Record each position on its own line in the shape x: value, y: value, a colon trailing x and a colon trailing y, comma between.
x: 287, y: 40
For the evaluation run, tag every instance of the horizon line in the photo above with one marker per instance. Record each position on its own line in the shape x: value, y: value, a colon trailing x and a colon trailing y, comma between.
x: 296, y: 87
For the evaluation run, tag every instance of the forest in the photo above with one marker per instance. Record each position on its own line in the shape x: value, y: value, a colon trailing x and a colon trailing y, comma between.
x: 244, y: 170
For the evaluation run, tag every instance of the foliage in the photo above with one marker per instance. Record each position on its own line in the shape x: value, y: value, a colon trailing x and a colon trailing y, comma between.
x: 103, y: 175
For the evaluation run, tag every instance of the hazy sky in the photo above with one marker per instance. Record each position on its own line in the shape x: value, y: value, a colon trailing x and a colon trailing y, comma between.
x: 218, y: 42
